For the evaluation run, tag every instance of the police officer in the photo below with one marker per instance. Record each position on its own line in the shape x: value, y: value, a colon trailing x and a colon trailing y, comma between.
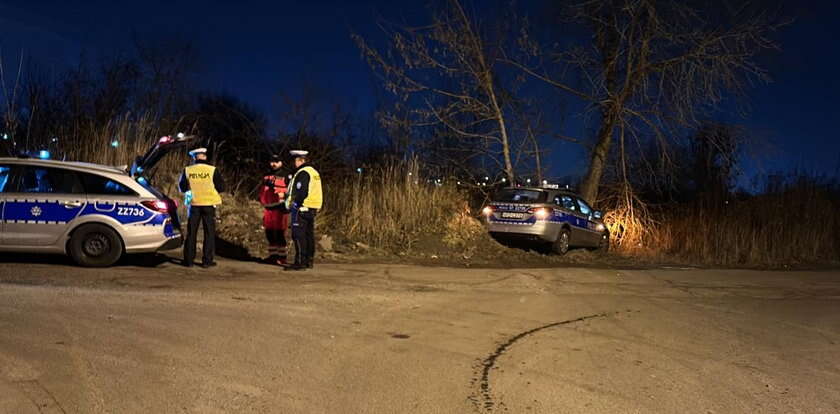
x: 304, y: 200
x: 205, y: 183
x: 275, y: 213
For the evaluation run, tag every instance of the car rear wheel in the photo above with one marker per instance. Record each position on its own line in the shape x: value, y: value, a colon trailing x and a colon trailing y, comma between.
x: 95, y: 245
x: 561, y: 245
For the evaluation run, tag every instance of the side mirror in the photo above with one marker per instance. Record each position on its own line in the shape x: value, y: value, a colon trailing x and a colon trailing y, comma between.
x: 598, y: 214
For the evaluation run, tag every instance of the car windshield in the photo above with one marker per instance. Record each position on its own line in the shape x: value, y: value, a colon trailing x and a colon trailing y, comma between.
x: 520, y: 196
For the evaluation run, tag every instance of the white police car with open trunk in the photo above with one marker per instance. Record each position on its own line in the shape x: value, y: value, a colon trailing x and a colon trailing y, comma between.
x: 94, y: 213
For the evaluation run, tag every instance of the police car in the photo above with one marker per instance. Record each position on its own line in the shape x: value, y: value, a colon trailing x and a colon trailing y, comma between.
x: 551, y: 215
x: 93, y: 213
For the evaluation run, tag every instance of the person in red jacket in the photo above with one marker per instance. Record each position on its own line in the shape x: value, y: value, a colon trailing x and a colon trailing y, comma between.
x: 275, y: 213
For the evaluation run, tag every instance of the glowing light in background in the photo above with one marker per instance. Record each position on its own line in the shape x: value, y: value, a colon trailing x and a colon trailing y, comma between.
x: 115, y: 143
x: 44, y: 154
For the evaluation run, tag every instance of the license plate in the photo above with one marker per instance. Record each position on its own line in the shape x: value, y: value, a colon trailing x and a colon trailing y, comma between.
x: 513, y: 215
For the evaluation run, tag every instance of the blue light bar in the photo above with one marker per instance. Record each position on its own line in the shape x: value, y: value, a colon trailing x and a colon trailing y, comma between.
x: 44, y: 154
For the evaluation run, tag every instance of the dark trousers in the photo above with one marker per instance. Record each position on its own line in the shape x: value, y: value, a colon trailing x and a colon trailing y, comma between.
x: 303, y: 235
x: 206, y: 215
x: 276, y: 243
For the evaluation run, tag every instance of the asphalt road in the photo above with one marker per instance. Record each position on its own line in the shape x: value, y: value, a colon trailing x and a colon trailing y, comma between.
x: 153, y: 337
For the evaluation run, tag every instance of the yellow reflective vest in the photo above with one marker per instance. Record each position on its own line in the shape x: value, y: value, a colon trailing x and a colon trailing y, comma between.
x: 200, y: 177
x: 314, y: 199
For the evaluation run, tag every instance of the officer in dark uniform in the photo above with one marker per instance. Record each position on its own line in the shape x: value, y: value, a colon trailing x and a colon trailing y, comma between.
x: 205, y: 183
x: 304, y: 201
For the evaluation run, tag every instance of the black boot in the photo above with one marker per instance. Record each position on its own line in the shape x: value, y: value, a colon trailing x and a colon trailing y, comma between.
x: 295, y: 266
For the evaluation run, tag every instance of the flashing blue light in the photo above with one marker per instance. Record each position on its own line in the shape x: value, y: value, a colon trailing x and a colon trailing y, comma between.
x: 139, y: 169
x: 44, y: 154
x: 141, y: 180
x: 115, y: 143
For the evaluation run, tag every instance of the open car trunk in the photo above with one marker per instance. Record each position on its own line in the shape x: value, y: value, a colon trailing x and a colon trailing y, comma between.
x: 143, y: 165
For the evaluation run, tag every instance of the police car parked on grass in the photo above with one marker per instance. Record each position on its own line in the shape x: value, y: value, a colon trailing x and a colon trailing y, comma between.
x: 94, y: 213
x: 551, y: 216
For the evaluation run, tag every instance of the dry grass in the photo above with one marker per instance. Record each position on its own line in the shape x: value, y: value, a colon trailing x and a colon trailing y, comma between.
x: 631, y: 225
x: 797, y: 225
x: 390, y: 207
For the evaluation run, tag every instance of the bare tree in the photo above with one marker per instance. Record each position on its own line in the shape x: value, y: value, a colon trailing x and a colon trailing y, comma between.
x: 447, y: 72
x: 652, y: 67
x: 11, y: 98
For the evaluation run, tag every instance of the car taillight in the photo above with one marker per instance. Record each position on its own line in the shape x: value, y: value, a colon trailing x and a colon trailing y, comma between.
x: 541, y: 212
x: 158, y: 206
x: 487, y: 211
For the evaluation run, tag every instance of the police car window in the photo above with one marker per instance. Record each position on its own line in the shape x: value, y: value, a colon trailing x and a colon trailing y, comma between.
x: 566, y: 202
x: 584, y: 208
x: 5, y: 173
x: 97, y: 184
x: 49, y: 180
x: 521, y: 196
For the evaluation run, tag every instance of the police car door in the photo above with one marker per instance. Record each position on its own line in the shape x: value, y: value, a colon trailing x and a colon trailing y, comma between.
x: 44, y: 201
x: 591, y: 235
x: 573, y: 217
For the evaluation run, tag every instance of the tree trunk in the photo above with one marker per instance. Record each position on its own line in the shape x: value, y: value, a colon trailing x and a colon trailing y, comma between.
x: 489, y: 87
x: 589, y: 186
x: 537, y: 155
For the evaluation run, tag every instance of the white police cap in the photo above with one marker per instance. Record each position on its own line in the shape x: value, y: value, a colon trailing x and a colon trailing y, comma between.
x: 299, y: 153
x: 197, y: 151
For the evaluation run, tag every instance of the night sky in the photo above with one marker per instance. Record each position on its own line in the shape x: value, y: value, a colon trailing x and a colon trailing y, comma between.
x: 259, y: 49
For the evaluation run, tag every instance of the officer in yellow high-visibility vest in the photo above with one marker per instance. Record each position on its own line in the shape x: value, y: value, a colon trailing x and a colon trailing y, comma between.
x: 205, y: 183
x: 304, y: 200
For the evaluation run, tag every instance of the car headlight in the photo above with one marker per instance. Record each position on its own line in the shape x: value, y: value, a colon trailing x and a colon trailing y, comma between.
x: 600, y: 227
x: 487, y: 211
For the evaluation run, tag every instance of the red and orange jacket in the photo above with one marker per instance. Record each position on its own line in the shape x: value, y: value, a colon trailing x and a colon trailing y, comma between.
x: 273, y: 192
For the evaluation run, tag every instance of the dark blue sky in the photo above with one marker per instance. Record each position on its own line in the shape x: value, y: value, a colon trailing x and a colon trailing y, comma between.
x: 260, y: 49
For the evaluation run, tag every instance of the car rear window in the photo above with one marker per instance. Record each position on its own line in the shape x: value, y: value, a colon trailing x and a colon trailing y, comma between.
x: 96, y: 184
x: 148, y: 186
x: 520, y: 196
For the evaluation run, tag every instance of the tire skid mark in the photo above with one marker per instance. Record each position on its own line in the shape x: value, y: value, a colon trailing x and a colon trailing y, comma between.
x: 482, y: 398
x: 41, y: 397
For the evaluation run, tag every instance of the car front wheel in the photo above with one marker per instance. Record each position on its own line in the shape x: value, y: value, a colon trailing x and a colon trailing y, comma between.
x: 95, y: 245
x: 561, y: 245
x: 604, y: 243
